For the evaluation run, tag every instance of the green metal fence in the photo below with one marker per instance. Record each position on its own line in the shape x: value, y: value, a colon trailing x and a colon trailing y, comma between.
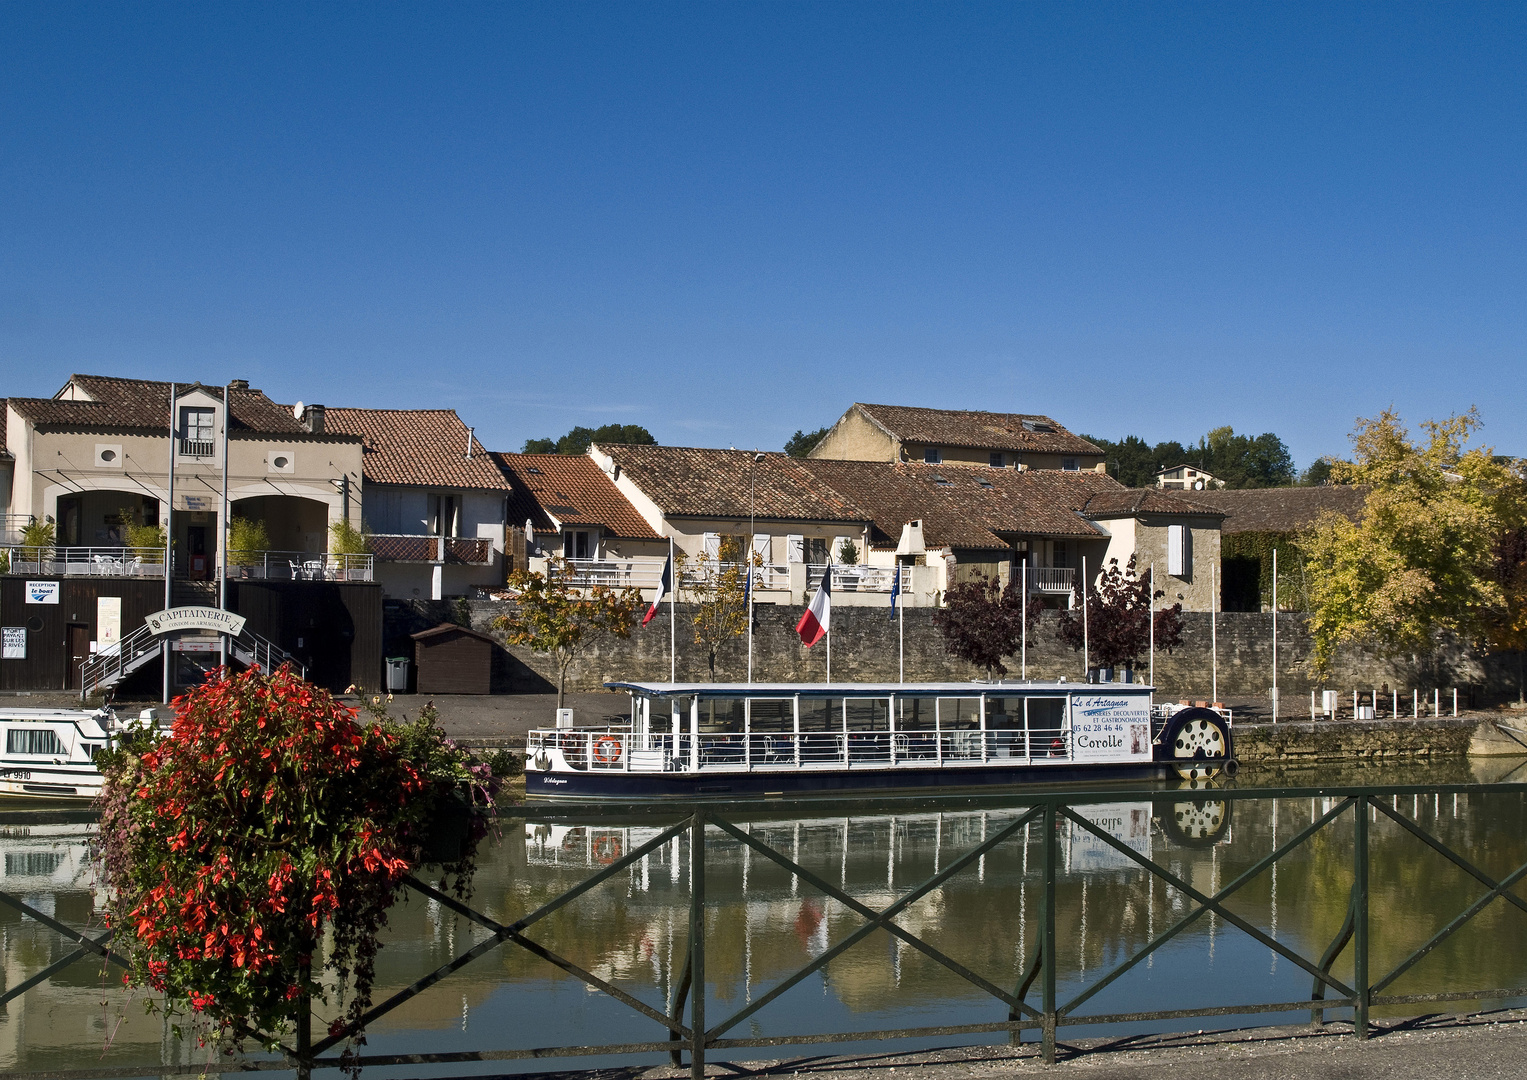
x: 1029, y: 993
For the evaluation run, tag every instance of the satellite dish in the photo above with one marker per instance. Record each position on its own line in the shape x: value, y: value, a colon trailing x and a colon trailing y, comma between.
x: 297, y: 410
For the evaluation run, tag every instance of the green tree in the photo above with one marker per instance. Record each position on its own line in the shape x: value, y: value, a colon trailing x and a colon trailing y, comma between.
x: 1317, y: 474
x: 1421, y: 561
x: 802, y: 443
x: 346, y: 539
x: 246, y: 541
x: 577, y: 441
x: 39, y: 534
x: 553, y: 615
x: 718, y: 589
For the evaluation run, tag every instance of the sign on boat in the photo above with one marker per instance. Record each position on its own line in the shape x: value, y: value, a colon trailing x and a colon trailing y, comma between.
x: 720, y: 740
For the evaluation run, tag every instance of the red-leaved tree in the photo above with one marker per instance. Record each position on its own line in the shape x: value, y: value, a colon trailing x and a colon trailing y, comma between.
x: 982, y: 622
x: 1118, y: 627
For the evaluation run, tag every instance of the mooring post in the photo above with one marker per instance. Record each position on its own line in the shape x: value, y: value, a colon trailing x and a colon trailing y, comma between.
x: 1047, y: 945
x: 1360, y: 914
x: 697, y: 946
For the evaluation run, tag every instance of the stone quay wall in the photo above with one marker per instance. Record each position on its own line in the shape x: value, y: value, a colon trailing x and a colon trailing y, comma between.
x: 865, y: 648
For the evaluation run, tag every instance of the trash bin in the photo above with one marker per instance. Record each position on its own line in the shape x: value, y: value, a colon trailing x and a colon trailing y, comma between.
x: 397, y: 674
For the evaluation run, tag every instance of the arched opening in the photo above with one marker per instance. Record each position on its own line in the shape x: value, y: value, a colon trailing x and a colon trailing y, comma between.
x: 290, y: 523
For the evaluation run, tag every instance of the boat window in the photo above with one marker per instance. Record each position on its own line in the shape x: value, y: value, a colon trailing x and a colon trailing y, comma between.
x: 1004, y: 714
x: 679, y: 709
x: 959, y: 714
x: 771, y: 714
x: 41, y: 741
x: 914, y: 714
x: 868, y: 714
x: 721, y: 716
x: 821, y: 714
x: 1046, y: 718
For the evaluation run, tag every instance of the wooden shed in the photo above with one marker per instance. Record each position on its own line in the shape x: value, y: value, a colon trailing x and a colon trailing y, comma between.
x: 453, y: 659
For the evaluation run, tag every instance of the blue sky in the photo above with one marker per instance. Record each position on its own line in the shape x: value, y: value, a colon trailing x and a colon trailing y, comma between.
x: 728, y: 221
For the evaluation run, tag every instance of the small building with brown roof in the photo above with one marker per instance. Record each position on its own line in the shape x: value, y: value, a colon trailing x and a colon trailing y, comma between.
x: 436, y: 501
x: 569, y: 506
x: 905, y: 433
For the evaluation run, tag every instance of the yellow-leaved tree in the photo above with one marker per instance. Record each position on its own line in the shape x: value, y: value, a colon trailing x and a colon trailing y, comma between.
x: 554, y: 614
x: 1422, y: 559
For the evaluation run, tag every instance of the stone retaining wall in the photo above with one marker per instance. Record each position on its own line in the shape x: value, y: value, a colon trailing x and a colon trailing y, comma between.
x: 1346, y: 742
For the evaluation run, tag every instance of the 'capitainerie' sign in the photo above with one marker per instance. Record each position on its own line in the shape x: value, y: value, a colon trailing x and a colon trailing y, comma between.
x: 175, y: 619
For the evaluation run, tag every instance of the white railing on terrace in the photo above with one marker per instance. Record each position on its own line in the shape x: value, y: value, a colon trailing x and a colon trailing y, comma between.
x: 766, y: 576
x: 87, y: 561
x: 606, y: 750
x: 149, y: 563
x: 1051, y: 579
x: 856, y: 578
x: 633, y: 572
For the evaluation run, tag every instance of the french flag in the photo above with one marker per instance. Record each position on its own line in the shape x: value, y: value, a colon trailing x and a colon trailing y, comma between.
x: 814, y: 624
x: 664, y: 586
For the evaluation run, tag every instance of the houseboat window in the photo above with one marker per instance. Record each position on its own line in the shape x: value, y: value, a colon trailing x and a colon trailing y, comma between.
x: 1004, y: 714
x: 771, y: 714
x: 680, y: 711
x: 41, y: 741
x: 867, y: 714
x: 821, y: 739
x: 914, y: 714
x: 959, y: 714
x: 821, y: 714
x: 1046, y: 724
x: 721, y: 716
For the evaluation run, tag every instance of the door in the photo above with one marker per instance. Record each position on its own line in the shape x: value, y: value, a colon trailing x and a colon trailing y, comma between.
x: 196, y: 550
x: 79, y: 652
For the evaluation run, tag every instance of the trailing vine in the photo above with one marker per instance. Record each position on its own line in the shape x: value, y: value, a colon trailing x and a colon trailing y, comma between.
x: 268, y: 826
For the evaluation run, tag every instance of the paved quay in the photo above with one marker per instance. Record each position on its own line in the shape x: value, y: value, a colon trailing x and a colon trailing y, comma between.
x: 1478, y: 1047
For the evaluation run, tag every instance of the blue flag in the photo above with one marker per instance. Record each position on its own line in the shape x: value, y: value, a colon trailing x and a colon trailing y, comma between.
x: 895, y: 590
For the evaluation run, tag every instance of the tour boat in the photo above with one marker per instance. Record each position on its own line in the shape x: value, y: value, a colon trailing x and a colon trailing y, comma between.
x: 49, y: 753
x: 730, y: 740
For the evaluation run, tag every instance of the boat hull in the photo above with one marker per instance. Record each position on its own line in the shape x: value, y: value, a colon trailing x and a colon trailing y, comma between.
x: 30, y: 780
x: 628, y: 786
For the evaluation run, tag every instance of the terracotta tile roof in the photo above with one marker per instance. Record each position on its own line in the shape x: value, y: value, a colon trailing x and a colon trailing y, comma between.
x: 962, y: 507
x: 1127, y: 502
x: 1286, y: 509
x: 958, y: 427
x: 689, y: 482
x: 418, y: 447
x: 144, y: 404
x: 574, y: 491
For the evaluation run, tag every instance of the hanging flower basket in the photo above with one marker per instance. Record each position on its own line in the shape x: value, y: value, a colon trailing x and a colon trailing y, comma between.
x: 270, y: 821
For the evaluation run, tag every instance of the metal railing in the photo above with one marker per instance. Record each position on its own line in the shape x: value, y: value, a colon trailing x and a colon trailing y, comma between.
x: 1052, y: 579
x: 198, y: 448
x: 605, y: 750
x: 766, y: 576
x: 633, y: 572
x: 13, y: 525
x: 299, y: 566
x: 87, y: 561
x: 114, y: 663
x: 1346, y: 827
x: 877, y: 579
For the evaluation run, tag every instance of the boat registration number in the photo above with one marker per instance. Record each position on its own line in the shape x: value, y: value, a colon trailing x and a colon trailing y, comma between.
x: 15, y: 774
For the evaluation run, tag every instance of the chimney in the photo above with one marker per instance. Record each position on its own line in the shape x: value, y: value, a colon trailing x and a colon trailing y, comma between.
x: 469, y: 443
x: 238, y: 384
x: 312, y: 417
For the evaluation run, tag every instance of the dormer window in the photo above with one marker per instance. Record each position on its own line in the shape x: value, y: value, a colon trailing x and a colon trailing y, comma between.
x: 1069, y: 464
x: 1038, y: 426
x: 197, y: 427
x: 933, y: 455
x: 996, y: 460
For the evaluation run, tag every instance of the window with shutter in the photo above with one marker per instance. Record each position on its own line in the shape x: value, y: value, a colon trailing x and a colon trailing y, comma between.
x: 712, y: 545
x: 1177, y: 554
x: 795, y: 548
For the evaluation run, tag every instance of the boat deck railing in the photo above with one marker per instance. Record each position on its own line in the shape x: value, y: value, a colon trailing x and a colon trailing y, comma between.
x: 619, y: 750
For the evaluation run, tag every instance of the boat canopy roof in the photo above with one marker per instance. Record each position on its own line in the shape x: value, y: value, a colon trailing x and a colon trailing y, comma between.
x: 948, y: 689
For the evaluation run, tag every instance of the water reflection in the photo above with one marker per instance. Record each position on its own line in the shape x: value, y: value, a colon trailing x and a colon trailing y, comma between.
x: 764, y: 922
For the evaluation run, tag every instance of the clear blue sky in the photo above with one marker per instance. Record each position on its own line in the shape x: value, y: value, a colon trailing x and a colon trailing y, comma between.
x: 728, y: 221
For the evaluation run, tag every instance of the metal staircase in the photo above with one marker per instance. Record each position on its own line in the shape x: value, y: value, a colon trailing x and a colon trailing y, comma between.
x: 142, y: 647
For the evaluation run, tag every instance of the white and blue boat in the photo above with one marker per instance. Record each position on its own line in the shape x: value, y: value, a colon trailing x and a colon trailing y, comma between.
x: 746, y: 740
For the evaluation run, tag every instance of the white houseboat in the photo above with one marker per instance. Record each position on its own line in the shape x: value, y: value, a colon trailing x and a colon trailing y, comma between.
x: 49, y: 753
x: 727, y: 740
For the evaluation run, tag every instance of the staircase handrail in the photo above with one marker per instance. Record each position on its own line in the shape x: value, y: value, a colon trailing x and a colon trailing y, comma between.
x: 98, y: 667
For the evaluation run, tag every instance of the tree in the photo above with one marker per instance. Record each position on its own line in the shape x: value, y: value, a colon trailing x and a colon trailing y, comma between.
x: 1117, y: 631
x: 802, y: 443
x: 982, y: 622
x: 1318, y: 474
x: 1506, y: 626
x: 718, y: 589
x: 1422, y: 560
x: 247, y: 540
x: 577, y: 441
x: 553, y: 615
x: 848, y: 553
x: 346, y: 539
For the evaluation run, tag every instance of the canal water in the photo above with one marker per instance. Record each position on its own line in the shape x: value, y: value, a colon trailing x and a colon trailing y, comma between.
x: 762, y: 923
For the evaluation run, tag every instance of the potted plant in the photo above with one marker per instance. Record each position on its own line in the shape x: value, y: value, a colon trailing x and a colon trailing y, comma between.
x: 263, y: 839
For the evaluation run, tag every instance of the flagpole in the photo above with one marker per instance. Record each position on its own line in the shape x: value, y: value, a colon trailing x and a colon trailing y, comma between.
x: 673, y: 618
x: 750, y: 607
x: 1023, y: 667
x: 1086, y: 645
x: 1153, y: 623
x: 901, y: 633
x: 1214, y: 628
x: 828, y: 635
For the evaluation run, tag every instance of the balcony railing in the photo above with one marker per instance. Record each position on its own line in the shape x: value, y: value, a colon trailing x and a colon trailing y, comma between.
x: 766, y: 576
x: 411, y: 548
x: 149, y: 563
x: 1052, y: 579
x: 198, y: 448
x: 634, y: 572
x: 12, y: 525
x: 876, y: 579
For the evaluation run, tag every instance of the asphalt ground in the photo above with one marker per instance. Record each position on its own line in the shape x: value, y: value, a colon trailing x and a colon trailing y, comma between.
x: 1477, y: 1047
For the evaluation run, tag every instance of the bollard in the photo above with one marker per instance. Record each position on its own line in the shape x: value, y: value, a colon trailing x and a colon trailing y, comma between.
x: 1313, y: 717
x: 1394, y: 706
x: 1436, y: 702
x: 1415, y: 704
x: 1354, y: 705
x: 1455, y: 701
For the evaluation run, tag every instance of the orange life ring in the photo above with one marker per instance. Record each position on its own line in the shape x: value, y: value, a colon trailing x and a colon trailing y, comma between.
x: 607, y: 750
x: 607, y: 848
